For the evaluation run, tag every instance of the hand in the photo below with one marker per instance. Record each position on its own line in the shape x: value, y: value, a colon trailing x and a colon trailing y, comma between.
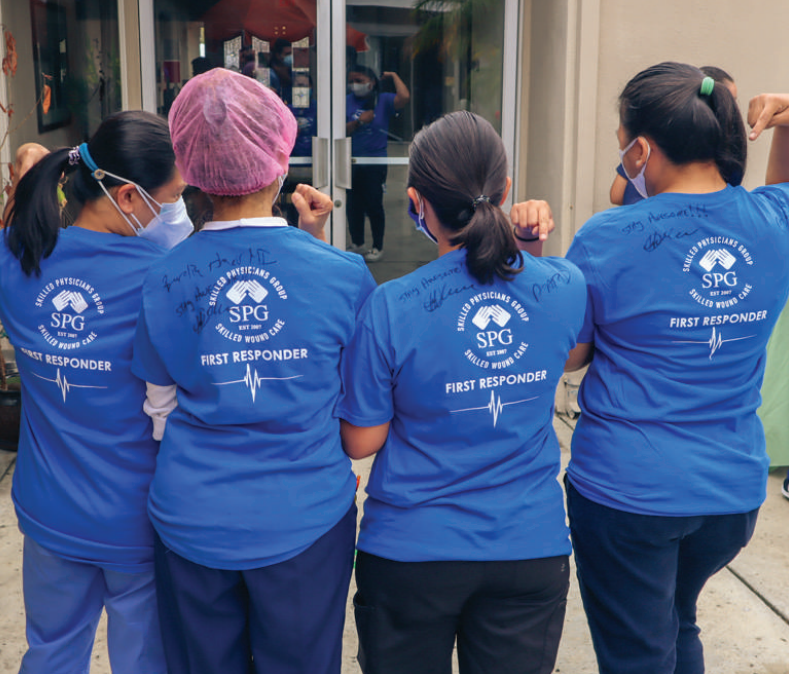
x: 532, y: 218
x: 766, y: 111
x: 314, y: 208
x: 388, y: 74
x: 367, y: 116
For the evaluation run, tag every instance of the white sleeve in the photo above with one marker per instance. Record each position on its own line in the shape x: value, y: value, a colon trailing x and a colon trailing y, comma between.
x: 159, y: 402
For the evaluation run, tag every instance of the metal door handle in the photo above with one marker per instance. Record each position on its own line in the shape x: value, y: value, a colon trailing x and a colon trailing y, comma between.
x: 320, y: 162
x: 342, y: 163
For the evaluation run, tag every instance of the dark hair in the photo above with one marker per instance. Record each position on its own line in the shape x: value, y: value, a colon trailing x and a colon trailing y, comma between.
x: 665, y: 103
x: 718, y: 74
x: 454, y: 160
x: 200, y: 65
x: 135, y: 145
x: 280, y: 44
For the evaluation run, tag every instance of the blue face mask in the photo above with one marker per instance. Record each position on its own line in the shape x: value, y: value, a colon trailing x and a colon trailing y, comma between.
x: 419, y: 219
x: 169, y: 226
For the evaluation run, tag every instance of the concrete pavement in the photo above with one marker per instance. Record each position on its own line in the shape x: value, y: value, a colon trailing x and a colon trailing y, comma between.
x: 743, y: 612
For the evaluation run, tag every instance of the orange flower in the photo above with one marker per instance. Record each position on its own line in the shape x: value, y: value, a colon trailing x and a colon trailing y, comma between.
x: 11, y: 57
x: 46, y: 99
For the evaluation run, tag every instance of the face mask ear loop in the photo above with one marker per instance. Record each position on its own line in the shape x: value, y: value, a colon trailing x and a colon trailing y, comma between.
x: 118, y: 208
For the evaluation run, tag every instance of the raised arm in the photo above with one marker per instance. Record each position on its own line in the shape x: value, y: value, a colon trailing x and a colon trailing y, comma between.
x: 768, y: 111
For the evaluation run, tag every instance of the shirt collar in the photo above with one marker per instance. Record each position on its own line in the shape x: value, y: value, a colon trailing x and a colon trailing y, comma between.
x: 216, y: 225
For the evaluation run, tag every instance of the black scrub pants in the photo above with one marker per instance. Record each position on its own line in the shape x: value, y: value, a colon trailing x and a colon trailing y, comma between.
x: 640, y: 578
x: 367, y: 198
x: 507, y: 615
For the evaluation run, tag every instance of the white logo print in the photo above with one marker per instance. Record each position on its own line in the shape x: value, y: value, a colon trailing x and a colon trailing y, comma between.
x: 70, y: 297
x: 715, y: 342
x: 720, y: 256
x: 495, y: 406
x: 64, y: 384
x: 252, y: 380
x: 494, y: 313
x: 240, y: 290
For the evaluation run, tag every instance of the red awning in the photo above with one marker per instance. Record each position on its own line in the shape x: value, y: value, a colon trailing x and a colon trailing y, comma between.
x: 268, y: 20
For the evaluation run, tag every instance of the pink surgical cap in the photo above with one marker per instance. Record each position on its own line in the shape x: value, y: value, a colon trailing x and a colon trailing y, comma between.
x: 232, y: 135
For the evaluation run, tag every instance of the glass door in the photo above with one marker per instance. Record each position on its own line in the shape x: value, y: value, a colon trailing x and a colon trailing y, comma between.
x: 284, y: 44
x: 407, y: 62
x: 361, y: 77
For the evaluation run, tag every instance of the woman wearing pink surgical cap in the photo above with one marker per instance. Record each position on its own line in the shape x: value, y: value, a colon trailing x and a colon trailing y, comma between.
x: 239, y: 341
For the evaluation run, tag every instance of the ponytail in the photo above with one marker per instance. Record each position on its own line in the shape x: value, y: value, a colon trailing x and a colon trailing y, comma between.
x: 666, y: 103
x: 459, y: 165
x: 133, y: 144
x: 490, y: 247
x: 33, y: 219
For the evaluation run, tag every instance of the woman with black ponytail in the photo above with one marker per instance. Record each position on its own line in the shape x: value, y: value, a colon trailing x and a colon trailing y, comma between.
x: 69, y: 299
x: 450, y: 379
x: 668, y: 466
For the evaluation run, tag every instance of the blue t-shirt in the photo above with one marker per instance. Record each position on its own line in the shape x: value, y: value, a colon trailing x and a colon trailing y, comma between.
x: 467, y: 375
x: 631, y: 195
x: 370, y: 140
x: 86, y: 456
x: 684, y: 290
x: 250, y: 322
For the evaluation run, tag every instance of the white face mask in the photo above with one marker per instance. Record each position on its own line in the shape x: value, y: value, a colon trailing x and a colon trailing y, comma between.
x: 639, y: 181
x: 167, y: 228
x: 361, y: 89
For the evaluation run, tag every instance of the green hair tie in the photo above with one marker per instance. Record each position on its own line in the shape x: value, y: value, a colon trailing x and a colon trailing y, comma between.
x: 707, y: 85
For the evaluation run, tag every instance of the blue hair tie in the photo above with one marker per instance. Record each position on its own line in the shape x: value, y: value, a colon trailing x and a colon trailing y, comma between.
x: 84, y: 154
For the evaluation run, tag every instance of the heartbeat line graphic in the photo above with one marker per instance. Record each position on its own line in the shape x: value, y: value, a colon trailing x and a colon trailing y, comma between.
x: 715, y: 342
x: 64, y: 384
x: 252, y: 380
x: 495, y: 406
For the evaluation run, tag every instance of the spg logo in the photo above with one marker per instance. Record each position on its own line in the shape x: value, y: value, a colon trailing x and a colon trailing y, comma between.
x: 488, y: 339
x: 68, y: 321
x: 70, y: 304
x: 495, y: 323
x: 240, y: 291
x: 718, y: 258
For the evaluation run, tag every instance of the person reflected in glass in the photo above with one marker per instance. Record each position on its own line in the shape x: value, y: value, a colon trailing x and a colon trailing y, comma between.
x: 368, y: 112
x: 281, y: 69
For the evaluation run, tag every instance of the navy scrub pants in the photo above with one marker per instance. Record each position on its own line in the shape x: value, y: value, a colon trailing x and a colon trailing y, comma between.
x: 640, y: 577
x: 286, y: 618
x: 367, y: 198
x: 507, y: 616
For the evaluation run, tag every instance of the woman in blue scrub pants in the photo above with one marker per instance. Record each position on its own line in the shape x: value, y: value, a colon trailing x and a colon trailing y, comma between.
x: 668, y: 465
x: 450, y: 382
x: 69, y: 300
x: 244, y: 324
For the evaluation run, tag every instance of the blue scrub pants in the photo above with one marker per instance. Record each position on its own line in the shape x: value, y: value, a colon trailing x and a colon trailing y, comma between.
x: 63, y: 602
x: 285, y: 618
x: 640, y: 577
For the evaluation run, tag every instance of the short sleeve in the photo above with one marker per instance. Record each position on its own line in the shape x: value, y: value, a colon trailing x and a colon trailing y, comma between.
x: 146, y: 362
x: 366, y: 286
x: 577, y: 255
x: 366, y: 370
x: 778, y: 198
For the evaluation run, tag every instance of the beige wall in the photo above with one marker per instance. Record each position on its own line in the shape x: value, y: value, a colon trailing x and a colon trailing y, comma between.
x: 582, y: 52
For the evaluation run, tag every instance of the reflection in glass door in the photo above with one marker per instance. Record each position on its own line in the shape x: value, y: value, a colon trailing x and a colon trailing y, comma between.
x: 361, y: 77
x: 418, y: 60
x: 272, y: 41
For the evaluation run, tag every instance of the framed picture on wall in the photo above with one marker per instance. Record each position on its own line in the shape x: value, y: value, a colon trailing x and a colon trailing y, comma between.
x: 50, y: 58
